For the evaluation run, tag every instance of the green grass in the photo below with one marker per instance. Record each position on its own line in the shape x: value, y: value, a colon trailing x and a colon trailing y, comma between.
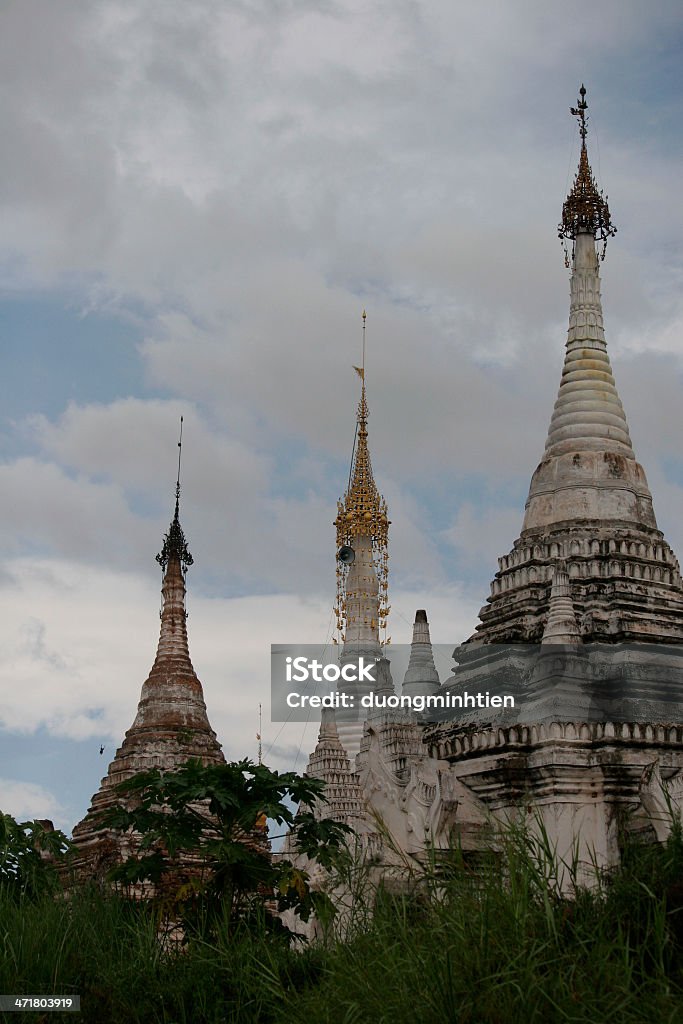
x: 491, y: 943
x: 475, y: 949
x: 107, y: 951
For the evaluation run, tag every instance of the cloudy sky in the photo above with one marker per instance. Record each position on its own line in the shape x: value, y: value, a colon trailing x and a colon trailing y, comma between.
x: 197, y: 202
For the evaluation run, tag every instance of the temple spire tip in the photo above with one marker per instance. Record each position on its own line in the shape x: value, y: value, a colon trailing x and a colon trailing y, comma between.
x: 362, y: 521
x: 174, y: 541
x: 180, y: 452
x: 580, y: 111
x: 585, y: 210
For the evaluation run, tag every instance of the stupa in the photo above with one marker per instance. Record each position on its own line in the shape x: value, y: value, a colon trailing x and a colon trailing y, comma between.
x: 171, y: 725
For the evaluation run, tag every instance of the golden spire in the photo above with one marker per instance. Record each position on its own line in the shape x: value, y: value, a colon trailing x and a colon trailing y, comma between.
x: 362, y: 512
x: 585, y: 209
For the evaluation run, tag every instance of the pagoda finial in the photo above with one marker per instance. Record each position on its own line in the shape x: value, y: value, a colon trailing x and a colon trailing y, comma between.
x: 180, y: 452
x: 174, y: 541
x: 364, y: 318
x: 362, y: 511
x: 360, y: 370
x: 585, y: 209
x: 580, y: 111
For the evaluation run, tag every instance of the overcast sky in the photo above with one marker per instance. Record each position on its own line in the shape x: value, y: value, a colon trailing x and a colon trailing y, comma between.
x: 197, y: 202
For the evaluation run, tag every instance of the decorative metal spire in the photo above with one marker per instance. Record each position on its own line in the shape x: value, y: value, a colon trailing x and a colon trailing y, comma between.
x: 585, y: 209
x: 362, y: 512
x: 175, y: 544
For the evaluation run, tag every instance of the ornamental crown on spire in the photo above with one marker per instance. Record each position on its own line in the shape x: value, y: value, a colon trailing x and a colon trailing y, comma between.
x: 362, y: 511
x: 585, y: 209
x: 175, y: 544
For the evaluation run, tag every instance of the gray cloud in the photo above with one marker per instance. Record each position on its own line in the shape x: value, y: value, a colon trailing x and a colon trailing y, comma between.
x: 255, y: 176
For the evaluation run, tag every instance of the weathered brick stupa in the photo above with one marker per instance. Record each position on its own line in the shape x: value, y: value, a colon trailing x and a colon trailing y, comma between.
x: 171, y: 724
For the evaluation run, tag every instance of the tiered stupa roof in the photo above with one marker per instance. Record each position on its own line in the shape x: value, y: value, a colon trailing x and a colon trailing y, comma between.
x: 343, y: 798
x: 561, y: 627
x: 589, y: 503
x: 421, y: 677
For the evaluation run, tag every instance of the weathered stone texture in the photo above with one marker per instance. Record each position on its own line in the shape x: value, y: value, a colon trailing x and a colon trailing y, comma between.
x: 589, y: 506
x: 171, y: 726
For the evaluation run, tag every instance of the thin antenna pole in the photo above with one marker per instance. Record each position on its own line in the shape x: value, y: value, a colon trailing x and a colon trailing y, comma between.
x: 258, y: 737
x: 180, y: 452
x: 363, y: 364
x: 362, y: 377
